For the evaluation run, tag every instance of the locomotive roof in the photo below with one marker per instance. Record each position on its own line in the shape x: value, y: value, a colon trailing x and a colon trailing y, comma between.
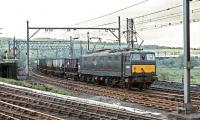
x: 115, y: 52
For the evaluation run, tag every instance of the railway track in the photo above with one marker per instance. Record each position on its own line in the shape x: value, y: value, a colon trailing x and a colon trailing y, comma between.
x: 174, y: 87
x: 11, y: 111
x: 155, y: 98
x: 25, y: 104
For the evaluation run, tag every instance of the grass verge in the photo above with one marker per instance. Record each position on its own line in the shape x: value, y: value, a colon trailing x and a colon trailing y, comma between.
x: 176, y: 74
x: 38, y: 86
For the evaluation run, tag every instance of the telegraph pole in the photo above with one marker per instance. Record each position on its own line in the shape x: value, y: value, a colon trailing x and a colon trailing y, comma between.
x: 81, y: 48
x: 131, y: 32
x: 88, y: 40
x: 71, y: 48
x: 188, y: 112
x: 127, y: 32
x: 119, y: 31
x: 27, y: 52
x: 8, y: 48
x: 187, y: 61
x: 14, y: 47
x: 37, y: 57
x: 56, y: 52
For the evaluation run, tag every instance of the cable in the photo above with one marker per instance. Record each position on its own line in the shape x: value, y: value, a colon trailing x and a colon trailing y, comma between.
x: 145, y: 15
x: 164, y: 17
x: 172, y: 15
x: 165, y: 25
x: 111, y: 13
x: 156, y: 12
x: 110, y: 23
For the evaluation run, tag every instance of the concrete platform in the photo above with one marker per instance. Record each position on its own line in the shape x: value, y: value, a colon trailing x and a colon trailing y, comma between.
x: 182, y: 116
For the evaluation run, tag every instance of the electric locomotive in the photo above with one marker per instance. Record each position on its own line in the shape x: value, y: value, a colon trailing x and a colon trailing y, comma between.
x: 122, y: 68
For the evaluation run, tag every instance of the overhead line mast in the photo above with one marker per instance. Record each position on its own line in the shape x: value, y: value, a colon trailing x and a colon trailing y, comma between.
x: 67, y: 28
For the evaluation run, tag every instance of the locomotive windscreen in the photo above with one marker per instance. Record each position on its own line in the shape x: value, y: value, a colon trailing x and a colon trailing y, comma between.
x: 150, y: 56
x: 142, y: 56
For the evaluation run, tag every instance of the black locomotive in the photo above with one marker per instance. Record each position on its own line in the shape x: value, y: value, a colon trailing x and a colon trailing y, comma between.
x: 127, y: 69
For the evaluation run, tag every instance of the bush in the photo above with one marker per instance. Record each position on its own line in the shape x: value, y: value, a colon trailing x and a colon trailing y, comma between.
x: 164, y: 76
x: 178, y: 62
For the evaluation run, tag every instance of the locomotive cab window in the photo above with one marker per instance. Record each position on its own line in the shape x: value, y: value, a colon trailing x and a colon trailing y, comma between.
x: 150, y: 56
x: 135, y: 56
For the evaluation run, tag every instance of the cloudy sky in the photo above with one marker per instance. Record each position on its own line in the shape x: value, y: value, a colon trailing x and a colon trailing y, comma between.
x: 62, y: 13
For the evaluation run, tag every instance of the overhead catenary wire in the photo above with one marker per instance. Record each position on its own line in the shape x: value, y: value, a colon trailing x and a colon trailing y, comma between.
x: 172, y: 15
x: 152, y: 13
x: 111, y: 12
x: 144, y: 21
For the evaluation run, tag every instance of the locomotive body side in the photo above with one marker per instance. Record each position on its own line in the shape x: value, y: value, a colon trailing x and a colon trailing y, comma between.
x: 101, y: 65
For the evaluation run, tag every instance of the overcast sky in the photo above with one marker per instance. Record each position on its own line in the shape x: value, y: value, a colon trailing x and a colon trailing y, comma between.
x: 15, y: 13
x: 62, y: 13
